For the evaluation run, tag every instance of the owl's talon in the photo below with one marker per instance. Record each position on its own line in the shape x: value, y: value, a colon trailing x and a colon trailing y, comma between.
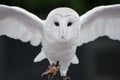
x: 52, y: 69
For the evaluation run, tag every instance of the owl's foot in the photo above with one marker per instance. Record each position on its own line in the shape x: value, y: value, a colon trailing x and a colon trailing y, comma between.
x: 66, y: 78
x: 52, y: 69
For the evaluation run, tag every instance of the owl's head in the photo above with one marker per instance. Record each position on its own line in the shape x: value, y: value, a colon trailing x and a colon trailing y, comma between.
x: 62, y: 24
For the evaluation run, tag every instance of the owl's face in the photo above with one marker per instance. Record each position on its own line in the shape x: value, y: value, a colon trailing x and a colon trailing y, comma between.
x: 62, y: 24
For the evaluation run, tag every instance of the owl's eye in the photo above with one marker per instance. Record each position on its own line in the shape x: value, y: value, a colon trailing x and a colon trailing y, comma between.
x: 56, y: 23
x: 69, y: 24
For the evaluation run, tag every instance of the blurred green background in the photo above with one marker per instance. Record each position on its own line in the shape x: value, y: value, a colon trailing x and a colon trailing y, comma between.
x: 99, y: 60
x: 43, y: 7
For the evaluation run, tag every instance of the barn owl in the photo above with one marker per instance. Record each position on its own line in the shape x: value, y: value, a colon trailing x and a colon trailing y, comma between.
x: 61, y: 32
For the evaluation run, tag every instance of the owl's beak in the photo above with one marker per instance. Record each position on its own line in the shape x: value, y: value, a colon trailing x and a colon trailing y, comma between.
x: 62, y: 33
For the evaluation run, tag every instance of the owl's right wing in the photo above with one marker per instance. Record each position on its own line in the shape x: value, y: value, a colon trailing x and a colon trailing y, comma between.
x: 20, y: 24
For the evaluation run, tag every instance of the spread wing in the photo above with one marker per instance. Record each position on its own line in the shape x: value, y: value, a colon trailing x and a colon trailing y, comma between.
x: 100, y: 21
x: 20, y: 24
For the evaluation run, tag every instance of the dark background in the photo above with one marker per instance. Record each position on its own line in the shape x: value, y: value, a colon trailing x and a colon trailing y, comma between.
x: 99, y: 60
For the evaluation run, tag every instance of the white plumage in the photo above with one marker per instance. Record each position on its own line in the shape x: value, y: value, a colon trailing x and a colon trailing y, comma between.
x: 61, y: 32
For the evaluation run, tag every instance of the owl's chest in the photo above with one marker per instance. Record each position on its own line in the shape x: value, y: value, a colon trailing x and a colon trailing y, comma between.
x: 58, y: 48
x: 59, y: 51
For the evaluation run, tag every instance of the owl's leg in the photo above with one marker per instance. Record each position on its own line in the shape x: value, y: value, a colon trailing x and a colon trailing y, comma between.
x: 63, y: 70
x: 51, y: 62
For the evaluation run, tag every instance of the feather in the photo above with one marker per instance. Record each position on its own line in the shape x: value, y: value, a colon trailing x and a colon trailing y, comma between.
x: 20, y: 24
x: 75, y: 60
x: 40, y: 57
x: 100, y: 21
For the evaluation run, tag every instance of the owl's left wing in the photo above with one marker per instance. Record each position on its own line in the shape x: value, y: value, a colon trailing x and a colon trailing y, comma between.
x: 100, y: 21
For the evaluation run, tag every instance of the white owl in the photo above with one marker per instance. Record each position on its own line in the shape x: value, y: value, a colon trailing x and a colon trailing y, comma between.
x: 61, y: 32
